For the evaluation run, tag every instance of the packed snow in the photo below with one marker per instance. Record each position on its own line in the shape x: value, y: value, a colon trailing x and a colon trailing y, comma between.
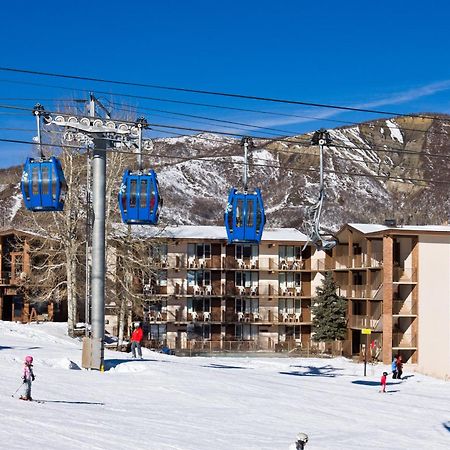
x: 168, y: 402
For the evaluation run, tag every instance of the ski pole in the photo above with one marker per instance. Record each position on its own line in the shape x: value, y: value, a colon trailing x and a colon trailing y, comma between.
x: 18, y: 389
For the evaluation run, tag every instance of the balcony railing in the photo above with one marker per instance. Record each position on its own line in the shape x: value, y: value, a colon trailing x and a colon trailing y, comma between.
x: 404, y: 275
x: 360, y: 322
x: 403, y: 308
x: 400, y: 340
x: 5, y: 278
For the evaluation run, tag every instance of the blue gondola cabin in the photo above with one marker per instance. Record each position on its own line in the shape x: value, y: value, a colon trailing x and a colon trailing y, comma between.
x: 43, y: 185
x: 139, y: 199
x: 244, y: 216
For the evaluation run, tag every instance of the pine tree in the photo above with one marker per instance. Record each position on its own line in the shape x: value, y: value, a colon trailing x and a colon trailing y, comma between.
x: 329, y: 309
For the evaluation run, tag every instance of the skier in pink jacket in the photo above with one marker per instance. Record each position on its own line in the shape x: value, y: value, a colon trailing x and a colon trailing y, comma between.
x: 28, y: 378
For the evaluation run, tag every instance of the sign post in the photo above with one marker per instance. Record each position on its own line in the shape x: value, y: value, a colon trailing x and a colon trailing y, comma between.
x: 367, y: 332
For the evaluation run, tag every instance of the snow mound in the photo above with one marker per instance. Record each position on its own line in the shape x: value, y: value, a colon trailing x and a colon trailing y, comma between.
x: 60, y: 363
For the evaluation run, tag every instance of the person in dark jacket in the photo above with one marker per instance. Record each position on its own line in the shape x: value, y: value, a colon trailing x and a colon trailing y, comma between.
x: 399, y: 367
x: 136, y: 339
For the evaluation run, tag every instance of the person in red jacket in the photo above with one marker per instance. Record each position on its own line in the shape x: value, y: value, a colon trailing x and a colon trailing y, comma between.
x: 383, y: 382
x: 136, y: 339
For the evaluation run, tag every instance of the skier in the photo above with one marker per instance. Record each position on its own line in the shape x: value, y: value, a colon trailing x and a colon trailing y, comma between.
x: 136, y: 339
x: 383, y: 382
x: 28, y: 378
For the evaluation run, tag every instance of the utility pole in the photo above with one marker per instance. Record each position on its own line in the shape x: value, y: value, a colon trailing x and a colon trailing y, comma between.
x: 103, y: 136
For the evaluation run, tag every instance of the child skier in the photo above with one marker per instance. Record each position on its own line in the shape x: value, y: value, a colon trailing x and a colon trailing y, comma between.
x: 28, y: 378
x: 383, y: 382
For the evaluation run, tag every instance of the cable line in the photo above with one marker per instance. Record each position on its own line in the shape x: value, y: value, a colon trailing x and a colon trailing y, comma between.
x: 208, y: 158
x: 204, y: 92
x: 312, y: 118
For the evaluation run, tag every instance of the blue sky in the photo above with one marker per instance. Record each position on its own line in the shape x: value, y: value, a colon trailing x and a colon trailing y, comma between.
x: 384, y: 55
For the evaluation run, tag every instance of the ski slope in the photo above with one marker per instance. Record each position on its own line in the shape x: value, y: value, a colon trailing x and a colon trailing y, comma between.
x: 221, y: 403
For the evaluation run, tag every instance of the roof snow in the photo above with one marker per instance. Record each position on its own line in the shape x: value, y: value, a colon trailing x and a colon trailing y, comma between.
x: 367, y: 228
x: 210, y: 232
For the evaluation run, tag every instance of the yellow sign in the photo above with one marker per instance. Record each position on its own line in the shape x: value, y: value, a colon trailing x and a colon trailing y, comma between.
x: 366, y: 331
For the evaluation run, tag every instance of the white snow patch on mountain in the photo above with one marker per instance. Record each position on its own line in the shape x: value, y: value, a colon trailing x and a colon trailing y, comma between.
x: 396, y: 134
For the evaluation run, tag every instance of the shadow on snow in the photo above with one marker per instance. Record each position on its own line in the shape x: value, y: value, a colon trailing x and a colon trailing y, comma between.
x: 111, y: 363
x: 312, y: 371
x: 70, y: 403
x: 373, y: 383
x: 223, y: 366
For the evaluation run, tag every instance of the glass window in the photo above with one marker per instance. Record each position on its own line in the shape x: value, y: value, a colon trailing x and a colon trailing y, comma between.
x: 133, y: 192
x: 35, y: 180
x: 250, y: 212
x: 45, y: 174
x: 143, y: 194
x: 239, y: 209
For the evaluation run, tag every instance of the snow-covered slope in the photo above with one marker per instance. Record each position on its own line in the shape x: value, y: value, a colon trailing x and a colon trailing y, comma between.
x: 225, y: 403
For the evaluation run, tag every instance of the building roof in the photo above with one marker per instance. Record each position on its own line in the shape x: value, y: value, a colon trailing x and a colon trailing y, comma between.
x: 367, y: 228
x: 202, y: 232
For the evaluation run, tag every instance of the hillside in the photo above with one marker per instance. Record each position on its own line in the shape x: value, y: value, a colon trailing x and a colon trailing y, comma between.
x: 195, y: 190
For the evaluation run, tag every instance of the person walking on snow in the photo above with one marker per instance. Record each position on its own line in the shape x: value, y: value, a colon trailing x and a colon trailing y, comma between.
x: 394, y: 368
x: 383, y: 382
x: 136, y: 339
x: 399, y: 367
x: 28, y: 378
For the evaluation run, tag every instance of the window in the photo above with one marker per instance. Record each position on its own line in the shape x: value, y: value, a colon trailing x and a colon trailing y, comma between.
x: 199, y: 305
x: 133, y: 191
x: 289, y: 280
x: 246, y: 332
x: 239, y: 210
x: 199, y: 278
x: 35, y: 180
x: 250, y: 205
x: 198, y: 331
x: 45, y: 173
x: 158, y: 252
x: 199, y: 251
x: 289, y: 305
x: 247, y: 279
x: 143, y: 196
x: 158, y: 278
x: 290, y: 252
x: 157, y: 333
x: 293, y: 332
x: 247, y: 305
x: 246, y: 251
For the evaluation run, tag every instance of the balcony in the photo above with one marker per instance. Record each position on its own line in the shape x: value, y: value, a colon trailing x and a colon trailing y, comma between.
x: 5, y: 278
x: 400, y: 340
x: 201, y: 290
x: 290, y: 291
x: 291, y: 264
x: 404, y: 275
x: 359, y: 322
x: 201, y: 316
x: 403, y: 308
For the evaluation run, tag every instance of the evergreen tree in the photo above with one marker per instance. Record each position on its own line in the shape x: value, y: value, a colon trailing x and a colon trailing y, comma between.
x: 329, y: 309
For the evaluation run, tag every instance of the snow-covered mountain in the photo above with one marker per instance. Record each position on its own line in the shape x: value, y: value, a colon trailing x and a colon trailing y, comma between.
x: 373, y: 171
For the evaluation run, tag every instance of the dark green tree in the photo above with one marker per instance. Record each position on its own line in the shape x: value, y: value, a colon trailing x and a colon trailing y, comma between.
x: 329, y: 309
